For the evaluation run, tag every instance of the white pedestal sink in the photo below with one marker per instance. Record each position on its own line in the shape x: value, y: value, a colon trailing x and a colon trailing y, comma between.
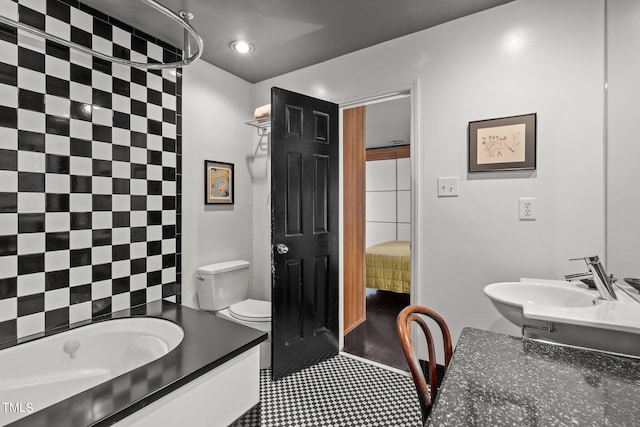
x: 565, y: 313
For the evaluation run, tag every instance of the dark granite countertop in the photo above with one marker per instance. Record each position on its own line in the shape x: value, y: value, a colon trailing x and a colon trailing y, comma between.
x: 500, y: 380
x: 208, y: 342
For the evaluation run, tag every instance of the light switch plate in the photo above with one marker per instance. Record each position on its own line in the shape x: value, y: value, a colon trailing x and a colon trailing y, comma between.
x: 448, y: 186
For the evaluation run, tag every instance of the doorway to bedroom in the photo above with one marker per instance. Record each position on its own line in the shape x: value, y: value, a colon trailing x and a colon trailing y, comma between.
x: 377, y: 227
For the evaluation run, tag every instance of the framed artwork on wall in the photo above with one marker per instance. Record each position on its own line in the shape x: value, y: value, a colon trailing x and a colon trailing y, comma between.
x: 507, y: 143
x: 218, y: 183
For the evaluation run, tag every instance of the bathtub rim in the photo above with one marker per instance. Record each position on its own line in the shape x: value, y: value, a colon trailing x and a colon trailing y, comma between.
x: 79, y: 325
x: 208, y: 342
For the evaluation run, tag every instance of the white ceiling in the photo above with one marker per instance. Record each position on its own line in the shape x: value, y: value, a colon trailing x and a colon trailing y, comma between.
x: 387, y: 122
x: 289, y: 34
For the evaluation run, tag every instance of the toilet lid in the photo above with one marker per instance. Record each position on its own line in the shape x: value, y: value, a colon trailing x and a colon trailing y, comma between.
x: 251, y: 310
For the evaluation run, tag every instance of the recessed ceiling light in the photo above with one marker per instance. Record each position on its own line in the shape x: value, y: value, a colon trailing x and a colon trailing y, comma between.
x: 241, y: 46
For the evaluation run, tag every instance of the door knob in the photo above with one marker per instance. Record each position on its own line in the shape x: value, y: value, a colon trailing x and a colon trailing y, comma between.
x: 282, y: 248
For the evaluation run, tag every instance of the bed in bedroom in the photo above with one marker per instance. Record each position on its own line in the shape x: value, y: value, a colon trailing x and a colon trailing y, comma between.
x: 389, y: 266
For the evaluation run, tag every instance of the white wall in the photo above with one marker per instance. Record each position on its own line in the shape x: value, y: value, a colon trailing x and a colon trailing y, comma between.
x: 261, y: 174
x: 215, y: 107
x: 543, y: 56
x: 623, y: 170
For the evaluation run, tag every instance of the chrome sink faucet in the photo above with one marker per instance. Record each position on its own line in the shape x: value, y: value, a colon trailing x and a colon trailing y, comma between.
x: 603, y: 282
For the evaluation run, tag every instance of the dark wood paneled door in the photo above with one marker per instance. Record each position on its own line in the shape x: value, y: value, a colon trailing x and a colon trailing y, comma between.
x: 304, y: 218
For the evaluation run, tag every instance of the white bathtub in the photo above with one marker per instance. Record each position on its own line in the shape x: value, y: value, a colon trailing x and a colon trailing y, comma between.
x: 40, y: 373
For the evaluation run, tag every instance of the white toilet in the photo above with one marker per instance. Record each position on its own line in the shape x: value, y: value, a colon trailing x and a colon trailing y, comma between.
x: 223, y: 289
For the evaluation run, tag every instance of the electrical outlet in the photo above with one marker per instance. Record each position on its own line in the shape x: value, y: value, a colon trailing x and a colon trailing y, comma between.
x: 448, y: 187
x: 528, y: 208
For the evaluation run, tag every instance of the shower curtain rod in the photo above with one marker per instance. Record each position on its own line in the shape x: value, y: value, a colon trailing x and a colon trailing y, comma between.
x: 181, y: 19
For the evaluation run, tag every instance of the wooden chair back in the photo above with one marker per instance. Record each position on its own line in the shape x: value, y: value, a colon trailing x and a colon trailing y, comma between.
x: 413, y: 313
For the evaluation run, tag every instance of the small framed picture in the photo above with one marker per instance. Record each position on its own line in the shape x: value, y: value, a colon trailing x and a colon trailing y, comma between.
x: 218, y: 182
x: 507, y: 143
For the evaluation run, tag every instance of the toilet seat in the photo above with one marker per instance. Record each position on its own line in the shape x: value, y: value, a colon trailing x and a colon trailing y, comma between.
x: 251, y: 310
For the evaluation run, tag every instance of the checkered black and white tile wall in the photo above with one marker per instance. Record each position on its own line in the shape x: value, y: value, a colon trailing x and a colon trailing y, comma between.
x: 89, y: 170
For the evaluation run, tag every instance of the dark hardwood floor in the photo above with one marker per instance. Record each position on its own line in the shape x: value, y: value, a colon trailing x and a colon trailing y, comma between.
x: 377, y: 338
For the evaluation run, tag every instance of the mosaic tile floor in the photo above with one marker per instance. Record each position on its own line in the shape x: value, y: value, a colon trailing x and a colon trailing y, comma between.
x: 337, y: 392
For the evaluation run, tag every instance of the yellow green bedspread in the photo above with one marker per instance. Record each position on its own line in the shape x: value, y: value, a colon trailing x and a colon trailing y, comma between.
x: 389, y: 266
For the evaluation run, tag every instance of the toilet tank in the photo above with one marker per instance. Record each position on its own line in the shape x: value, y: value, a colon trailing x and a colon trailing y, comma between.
x: 221, y: 284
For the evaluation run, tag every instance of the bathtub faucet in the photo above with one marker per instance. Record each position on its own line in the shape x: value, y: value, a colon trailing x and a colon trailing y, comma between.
x: 71, y: 347
x: 603, y: 282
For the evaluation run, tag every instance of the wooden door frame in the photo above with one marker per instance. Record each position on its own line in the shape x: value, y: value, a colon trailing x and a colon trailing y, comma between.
x: 367, y: 99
